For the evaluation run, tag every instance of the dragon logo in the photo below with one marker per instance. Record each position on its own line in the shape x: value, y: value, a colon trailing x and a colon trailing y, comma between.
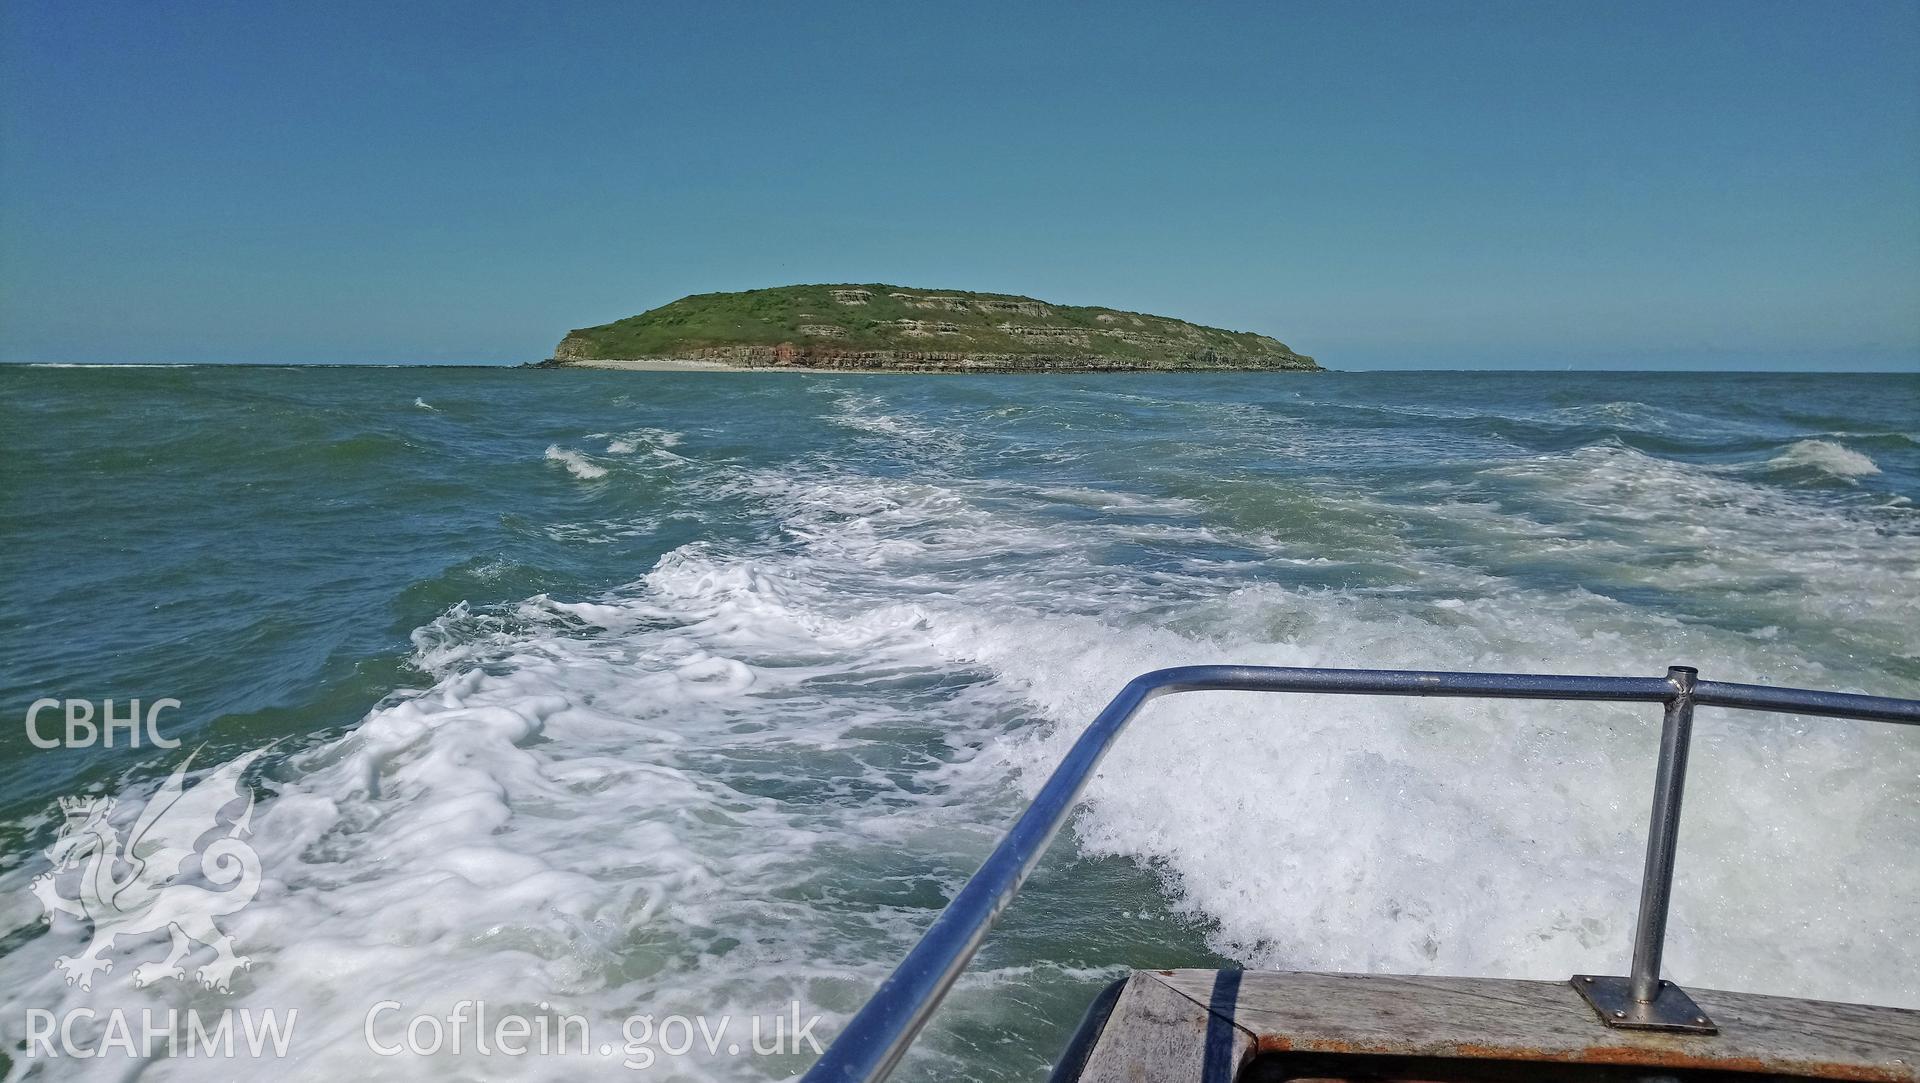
x: 134, y: 887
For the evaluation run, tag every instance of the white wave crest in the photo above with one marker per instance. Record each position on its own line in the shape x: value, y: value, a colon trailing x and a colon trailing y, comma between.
x: 577, y: 464
x: 1827, y: 457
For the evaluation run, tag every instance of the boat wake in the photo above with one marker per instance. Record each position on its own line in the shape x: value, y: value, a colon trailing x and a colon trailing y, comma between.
x: 751, y: 775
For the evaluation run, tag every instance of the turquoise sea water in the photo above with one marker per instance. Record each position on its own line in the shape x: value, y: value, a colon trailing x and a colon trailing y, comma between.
x: 653, y: 693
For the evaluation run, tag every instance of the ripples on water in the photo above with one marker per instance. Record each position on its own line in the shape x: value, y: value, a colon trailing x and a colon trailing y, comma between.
x: 686, y: 693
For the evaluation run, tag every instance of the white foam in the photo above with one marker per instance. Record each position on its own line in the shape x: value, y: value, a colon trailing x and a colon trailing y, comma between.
x: 867, y: 414
x: 1711, y: 536
x: 652, y: 439
x: 1824, y: 455
x: 577, y: 464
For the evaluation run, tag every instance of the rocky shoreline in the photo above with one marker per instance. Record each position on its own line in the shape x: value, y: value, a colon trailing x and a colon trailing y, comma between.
x: 786, y: 358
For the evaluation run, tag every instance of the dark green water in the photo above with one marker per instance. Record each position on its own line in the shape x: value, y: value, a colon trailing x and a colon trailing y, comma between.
x: 700, y: 693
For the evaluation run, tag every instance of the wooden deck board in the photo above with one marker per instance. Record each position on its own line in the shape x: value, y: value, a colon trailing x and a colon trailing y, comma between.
x: 1193, y: 1025
x: 1166, y: 1036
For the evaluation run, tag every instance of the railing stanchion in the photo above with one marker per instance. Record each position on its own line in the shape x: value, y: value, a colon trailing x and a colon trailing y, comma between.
x: 1663, y: 836
x: 1641, y: 1000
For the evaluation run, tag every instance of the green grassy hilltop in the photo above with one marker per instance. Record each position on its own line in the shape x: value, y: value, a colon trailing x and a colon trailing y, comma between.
x: 894, y: 327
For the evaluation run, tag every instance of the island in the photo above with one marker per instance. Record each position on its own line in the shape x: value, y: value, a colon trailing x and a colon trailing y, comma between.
x: 879, y: 328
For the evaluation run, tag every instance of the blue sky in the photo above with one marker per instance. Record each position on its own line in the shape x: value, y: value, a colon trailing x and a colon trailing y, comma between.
x: 1529, y: 185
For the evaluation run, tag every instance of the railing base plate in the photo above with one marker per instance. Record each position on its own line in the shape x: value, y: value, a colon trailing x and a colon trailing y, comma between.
x: 1672, y: 1009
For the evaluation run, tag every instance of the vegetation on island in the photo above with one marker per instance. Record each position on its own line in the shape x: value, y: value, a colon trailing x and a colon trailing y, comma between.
x: 894, y: 327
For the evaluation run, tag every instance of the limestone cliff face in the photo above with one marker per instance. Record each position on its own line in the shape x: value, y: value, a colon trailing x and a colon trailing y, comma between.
x: 889, y: 327
x: 575, y: 347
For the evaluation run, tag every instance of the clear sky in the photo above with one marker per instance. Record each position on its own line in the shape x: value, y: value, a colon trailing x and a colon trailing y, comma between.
x: 1530, y: 185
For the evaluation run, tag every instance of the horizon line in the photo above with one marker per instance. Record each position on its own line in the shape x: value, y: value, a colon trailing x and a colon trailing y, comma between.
x: 1561, y: 370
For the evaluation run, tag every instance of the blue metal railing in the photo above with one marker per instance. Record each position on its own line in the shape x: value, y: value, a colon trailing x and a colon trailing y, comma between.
x: 881, y: 1032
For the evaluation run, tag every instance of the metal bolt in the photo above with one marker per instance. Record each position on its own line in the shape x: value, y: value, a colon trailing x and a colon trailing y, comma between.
x: 1618, y: 1014
x: 1588, y: 979
x: 1700, y: 1019
x: 1664, y: 983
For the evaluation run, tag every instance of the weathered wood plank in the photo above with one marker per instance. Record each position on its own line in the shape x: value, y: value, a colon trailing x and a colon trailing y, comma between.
x: 1548, y: 1022
x: 1157, y: 1035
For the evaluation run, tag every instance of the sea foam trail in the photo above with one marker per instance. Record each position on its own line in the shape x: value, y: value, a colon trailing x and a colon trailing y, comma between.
x: 753, y: 774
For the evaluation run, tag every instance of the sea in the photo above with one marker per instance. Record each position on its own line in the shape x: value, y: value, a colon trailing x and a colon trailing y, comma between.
x: 641, y: 696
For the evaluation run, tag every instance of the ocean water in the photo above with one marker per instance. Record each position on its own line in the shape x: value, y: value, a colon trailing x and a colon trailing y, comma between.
x: 629, y: 694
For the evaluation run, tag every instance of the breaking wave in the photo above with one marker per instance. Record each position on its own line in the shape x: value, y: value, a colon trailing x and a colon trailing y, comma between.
x: 577, y: 464
x: 1827, y: 457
